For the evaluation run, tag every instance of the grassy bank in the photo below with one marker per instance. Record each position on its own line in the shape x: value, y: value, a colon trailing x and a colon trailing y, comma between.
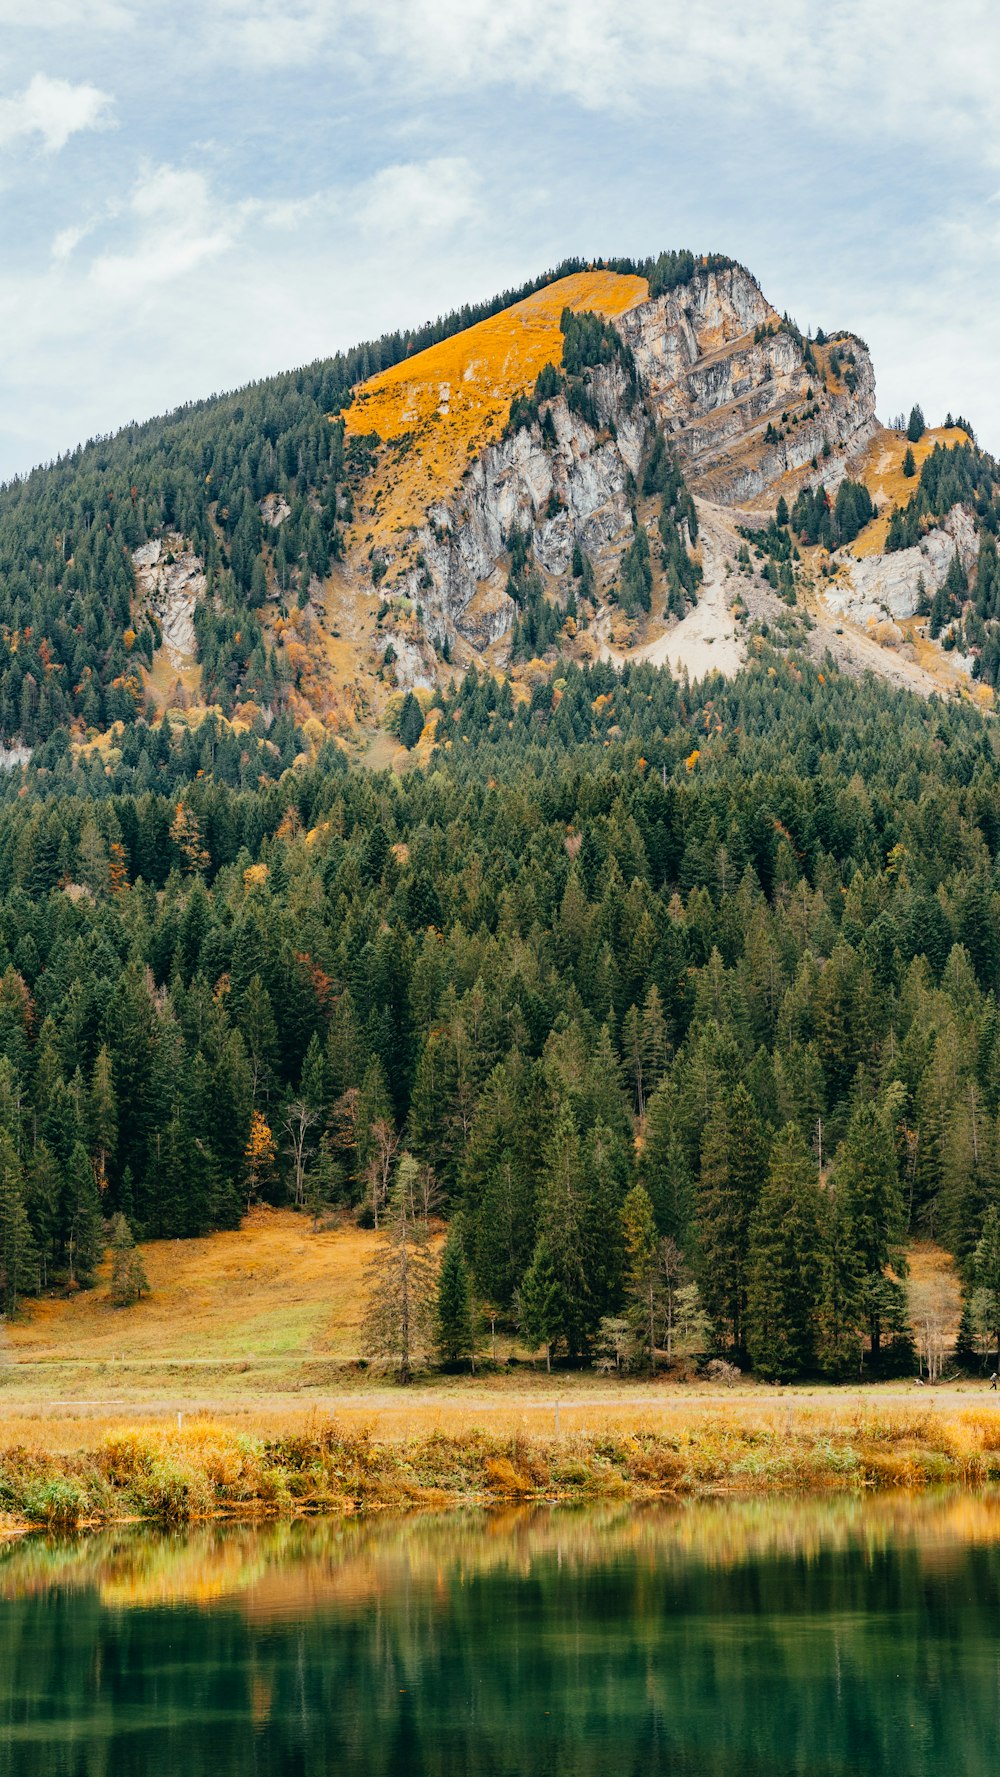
x: 208, y: 1469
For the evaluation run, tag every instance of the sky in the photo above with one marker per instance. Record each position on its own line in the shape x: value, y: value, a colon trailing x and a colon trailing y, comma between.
x: 196, y: 195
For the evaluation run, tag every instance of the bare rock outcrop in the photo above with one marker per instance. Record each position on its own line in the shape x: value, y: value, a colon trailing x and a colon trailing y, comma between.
x: 575, y: 490
x: 889, y: 586
x: 730, y: 385
x: 719, y: 368
x: 171, y: 580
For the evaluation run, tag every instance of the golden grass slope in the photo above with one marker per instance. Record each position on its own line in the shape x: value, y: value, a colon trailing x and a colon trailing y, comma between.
x: 443, y: 405
x: 271, y: 1289
x: 881, y: 470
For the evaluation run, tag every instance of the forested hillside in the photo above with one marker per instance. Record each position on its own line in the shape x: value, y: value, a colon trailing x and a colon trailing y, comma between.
x: 738, y: 949
x: 75, y: 638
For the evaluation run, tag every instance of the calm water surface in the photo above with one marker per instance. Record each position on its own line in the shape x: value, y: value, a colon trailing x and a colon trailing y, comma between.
x: 779, y: 1637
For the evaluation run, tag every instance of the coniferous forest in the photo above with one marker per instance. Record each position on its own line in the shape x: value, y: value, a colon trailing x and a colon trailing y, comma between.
x: 681, y: 1008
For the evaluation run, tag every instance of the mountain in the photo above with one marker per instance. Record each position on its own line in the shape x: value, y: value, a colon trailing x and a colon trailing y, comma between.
x: 625, y: 461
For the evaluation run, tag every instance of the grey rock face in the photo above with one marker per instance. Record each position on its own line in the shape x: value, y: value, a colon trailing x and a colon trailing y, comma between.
x: 712, y: 387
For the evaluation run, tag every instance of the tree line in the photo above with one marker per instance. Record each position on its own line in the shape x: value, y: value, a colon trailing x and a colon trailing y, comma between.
x: 733, y: 950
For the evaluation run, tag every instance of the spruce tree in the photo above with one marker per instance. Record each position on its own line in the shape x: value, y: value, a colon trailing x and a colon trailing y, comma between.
x: 18, y: 1256
x: 541, y: 1302
x: 867, y: 1185
x: 454, y: 1306
x: 785, y: 1275
x: 986, y: 1271
x: 411, y: 722
x: 84, y: 1220
x: 733, y: 1169
x: 401, y: 1286
x: 128, y: 1273
x: 564, y: 1226
x: 909, y: 463
x: 642, y: 1271
x: 916, y: 425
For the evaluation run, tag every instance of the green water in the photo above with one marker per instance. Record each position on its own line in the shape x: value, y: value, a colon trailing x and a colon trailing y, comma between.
x: 818, y: 1637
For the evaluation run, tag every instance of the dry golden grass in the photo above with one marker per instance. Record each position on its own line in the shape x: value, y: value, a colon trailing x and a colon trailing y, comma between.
x: 209, y: 1469
x: 881, y: 470
x: 271, y: 1289
x: 452, y: 399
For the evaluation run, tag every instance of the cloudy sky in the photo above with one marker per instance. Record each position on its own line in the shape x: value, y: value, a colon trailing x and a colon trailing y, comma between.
x: 193, y: 195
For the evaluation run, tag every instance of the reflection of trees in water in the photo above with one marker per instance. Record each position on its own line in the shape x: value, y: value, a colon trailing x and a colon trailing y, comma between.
x: 766, y: 1635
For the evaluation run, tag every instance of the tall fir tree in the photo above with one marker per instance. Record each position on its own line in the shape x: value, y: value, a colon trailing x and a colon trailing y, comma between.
x: 455, y: 1335
x: 784, y: 1286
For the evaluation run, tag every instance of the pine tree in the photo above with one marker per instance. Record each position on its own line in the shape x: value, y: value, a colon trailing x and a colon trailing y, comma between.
x: 916, y: 425
x: 103, y: 1115
x: 909, y: 463
x: 42, y: 1198
x: 83, y: 1218
x: 733, y: 1169
x: 867, y: 1180
x: 401, y: 1286
x: 18, y: 1256
x: 986, y: 1271
x: 454, y: 1307
x: 844, y: 1304
x: 642, y: 1273
x: 411, y: 722
x: 128, y: 1273
x: 541, y: 1303
x: 784, y: 1285
x: 564, y: 1226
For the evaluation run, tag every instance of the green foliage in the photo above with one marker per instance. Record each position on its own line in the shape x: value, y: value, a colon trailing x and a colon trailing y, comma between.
x: 916, y: 425
x: 785, y: 1260
x: 815, y: 520
x: 411, y: 721
x: 455, y: 1338
x: 128, y: 1273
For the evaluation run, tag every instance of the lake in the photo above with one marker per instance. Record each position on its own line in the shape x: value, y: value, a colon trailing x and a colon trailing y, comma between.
x: 807, y: 1637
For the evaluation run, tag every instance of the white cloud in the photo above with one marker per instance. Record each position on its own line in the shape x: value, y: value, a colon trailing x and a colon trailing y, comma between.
x: 64, y: 15
x: 68, y: 239
x: 177, y: 226
x: 54, y: 110
x: 430, y: 197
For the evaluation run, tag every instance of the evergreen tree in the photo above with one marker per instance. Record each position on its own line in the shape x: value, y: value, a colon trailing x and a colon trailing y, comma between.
x: 643, y: 1281
x: 986, y: 1271
x: 872, y: 1205
x: 784, y: 1284
x: 411, y: 722
x: 128, y: 1273
x: 18, y: 1256
x: 83, y: 1219
x: 916, y: 425
x: 401, y: 1287
x: 733, y: 1169
x: 455, y: 1339
x: 541, y: 1304
x: 909, y: 463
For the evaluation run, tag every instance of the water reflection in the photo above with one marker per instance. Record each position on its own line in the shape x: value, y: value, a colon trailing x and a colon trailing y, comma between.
x: 797, y: 1636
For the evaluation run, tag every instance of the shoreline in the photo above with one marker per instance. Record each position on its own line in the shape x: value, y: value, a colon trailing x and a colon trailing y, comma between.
x: 208, y: 1471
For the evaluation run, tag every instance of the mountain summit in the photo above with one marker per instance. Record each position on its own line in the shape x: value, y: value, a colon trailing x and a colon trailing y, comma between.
x: 623, y: 461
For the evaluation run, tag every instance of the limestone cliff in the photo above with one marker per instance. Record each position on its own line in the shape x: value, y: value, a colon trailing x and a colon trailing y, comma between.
x: 744, y: 401
x: 719, y: 368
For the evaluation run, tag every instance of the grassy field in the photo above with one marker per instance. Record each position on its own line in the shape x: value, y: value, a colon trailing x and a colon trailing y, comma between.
x: 249, y: 1343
